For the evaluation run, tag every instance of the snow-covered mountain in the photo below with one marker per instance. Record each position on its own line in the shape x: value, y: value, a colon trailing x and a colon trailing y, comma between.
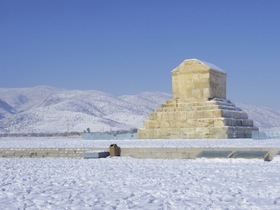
x: 46, y: 109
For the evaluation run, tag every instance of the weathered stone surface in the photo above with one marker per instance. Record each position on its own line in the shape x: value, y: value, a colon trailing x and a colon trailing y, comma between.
x: 199, y: 108
x: 194, y: 81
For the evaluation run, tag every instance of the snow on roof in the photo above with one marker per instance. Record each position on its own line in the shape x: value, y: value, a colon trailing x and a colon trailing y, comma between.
x: 210, y: 65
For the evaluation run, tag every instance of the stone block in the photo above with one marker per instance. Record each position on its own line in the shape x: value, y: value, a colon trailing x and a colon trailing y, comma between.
x: 215, y: 154
x: 153, y: 116
x: 249, y: 154
x: 176, y: 155
x: 217, y: 113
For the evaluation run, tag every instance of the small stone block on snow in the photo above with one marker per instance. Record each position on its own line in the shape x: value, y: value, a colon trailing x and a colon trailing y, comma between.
x: 250, y: 154
x: 215, y: 154
x: 96, y: 154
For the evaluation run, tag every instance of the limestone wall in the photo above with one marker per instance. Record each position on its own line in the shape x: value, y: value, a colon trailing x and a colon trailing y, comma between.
x: 217, y: 85
x: 193, y: 81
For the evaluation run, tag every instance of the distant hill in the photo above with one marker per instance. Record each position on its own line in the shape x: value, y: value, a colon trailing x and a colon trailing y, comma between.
x: 46, y: 109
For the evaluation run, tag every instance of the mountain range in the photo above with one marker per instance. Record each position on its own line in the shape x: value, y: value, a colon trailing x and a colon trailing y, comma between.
x: 46, y: 109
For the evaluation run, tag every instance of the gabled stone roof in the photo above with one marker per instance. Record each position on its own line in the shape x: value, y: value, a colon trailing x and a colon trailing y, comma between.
x: 209, y: 65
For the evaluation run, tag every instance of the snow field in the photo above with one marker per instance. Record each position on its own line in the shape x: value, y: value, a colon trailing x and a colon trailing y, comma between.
x: 55, y: 142
x: 127, y: 183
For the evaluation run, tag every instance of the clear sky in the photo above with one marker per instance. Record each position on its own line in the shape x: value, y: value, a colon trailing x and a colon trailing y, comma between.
x: 131, y: 46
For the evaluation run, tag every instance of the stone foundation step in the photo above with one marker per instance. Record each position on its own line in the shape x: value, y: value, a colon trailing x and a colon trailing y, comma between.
x: 182, y: 103
x: 201, y: 107
x: 193, y: 123
x: 221, y: 132
x: 165, y: 108
x: 186, y: 115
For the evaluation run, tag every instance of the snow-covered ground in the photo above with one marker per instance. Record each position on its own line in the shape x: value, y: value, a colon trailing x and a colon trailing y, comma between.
x: 41, y: 142
x: 127, y: 183
x: 130, y: 183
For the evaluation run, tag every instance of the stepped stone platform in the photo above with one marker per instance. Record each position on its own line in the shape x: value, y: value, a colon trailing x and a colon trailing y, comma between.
x: 199, y: 108
x: 216, y: 118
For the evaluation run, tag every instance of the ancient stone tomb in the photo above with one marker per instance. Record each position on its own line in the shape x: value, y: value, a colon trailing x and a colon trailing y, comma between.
x: 199, y: 108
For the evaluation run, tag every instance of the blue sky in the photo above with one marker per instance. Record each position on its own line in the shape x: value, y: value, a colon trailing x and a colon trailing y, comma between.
x: 131, y: 46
